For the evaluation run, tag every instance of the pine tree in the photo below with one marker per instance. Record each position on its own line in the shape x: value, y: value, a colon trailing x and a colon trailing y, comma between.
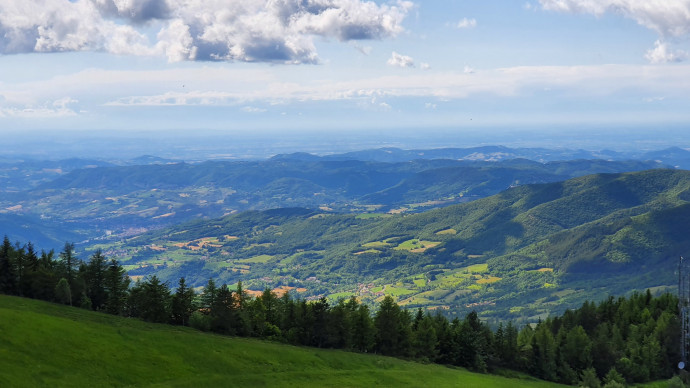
x: 208, y: 296
x: 19, y: 264
x: 425, y: 340
x: 544, y: 353
x: 224, y: 316
x: 386, y: 322
x: 95, y: 276
x: 8, y: 280
x: 270, y: 302
x: 69, y: 265
x: 182, y: 304
x: 150, y: 300
x: 116, y: 284
x: 363, y: 330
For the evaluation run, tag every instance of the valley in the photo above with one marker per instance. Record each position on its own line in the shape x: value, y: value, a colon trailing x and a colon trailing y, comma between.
x: 520, y: 255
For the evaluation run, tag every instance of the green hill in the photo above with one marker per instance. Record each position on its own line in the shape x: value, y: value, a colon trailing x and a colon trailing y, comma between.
x: 122, y: 201
x: 526, y: 252
x: 43, y: 344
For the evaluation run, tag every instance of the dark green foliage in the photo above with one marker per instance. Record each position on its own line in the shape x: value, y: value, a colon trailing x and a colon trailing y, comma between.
x: 62, y: 292
x: 117, y: 285
x: 95, y: 279
x: 589, y: 379
x: 617, y: 340
x: 8, y: 279
x: 150, y: 300
x: 425, y: 341
x: 387, y: 321
x: 68, y: 265
x: 182, y: 304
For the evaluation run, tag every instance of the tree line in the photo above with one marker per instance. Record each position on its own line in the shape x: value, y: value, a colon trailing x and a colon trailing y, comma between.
x: 615, y: 342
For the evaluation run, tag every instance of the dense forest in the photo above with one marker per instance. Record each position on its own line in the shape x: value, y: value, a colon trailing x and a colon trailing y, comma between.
x: 613, y: 342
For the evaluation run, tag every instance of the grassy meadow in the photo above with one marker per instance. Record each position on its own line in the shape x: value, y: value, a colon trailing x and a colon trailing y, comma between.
x: 44, y: 344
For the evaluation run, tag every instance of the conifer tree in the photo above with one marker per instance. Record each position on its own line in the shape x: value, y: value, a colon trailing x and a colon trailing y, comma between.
x: 69, y: 265
x: 116, y: 284
x: 8, y: 280
x: 95, y: 279
x: 425, y: 340
x: 363, y: 330
x: 386, y: 322
x: 182, y: 303
x: 208, y: 296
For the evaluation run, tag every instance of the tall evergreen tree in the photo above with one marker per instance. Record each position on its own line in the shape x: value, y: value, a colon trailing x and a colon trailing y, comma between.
x: 18, y: 260
x: 8, y: 279
x: 116, y: 284
x: 224, y: 317
x: 544, y: 353
x: 95, y: 279
x: 363, y: 330
x: 425, y: 340
x: 208, y: 296
x: 182, y: 303
x: 69, y: 265
x: 387, y: 322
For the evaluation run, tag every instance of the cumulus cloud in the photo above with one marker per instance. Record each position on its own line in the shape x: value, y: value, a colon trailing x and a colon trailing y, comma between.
x: 669, y: 18
x: 400, y: 60
x: 62, y: 107
x: 216, y: 30
x: 425, y: 66
x: 666, y: 17
x: 466, y: 23
x: 661, y: 53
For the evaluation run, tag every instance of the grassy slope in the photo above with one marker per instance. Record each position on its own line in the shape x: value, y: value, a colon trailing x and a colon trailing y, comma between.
x: 43, y: 344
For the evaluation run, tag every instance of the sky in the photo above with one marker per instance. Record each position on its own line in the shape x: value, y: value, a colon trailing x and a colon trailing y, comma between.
x: 339, y: 65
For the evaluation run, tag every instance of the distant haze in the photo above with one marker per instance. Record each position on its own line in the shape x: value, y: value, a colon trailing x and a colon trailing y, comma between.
x: 216, y: 144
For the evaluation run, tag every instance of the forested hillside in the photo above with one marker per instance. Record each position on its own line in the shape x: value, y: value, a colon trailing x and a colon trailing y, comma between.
x: 524, y: 253
x: 98, y: 200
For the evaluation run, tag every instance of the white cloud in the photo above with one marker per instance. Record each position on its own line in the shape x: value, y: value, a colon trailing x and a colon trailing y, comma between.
x: 62, y: 107
x: 661, y: 53
x: 222, y: 86
x: 217, y: 30
x: 669, y: 18
x: 400, y: 60
x: 466, y: 23
x: 507, y: 82
x: 425, y: 66
x: 253, y: 109
x: 467, y: 70
x: 666, y: 17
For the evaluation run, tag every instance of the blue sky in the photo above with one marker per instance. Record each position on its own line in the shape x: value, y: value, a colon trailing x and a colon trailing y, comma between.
x: 253, y: 65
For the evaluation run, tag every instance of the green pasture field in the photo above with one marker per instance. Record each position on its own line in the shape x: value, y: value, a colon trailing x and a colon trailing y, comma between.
x: 44, y: 344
